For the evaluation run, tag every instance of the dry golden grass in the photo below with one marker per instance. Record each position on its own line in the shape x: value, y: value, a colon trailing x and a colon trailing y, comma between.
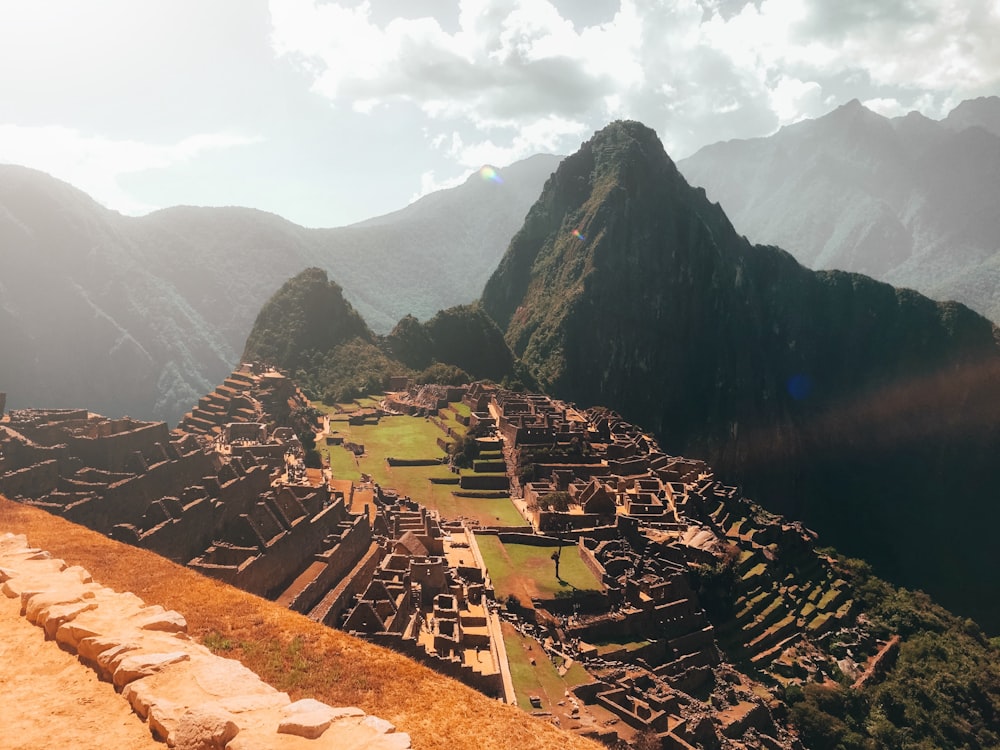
x: 292, y: 652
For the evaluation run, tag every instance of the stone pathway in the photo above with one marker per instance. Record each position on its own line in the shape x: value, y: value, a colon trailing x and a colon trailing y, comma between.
x: 188, y: 697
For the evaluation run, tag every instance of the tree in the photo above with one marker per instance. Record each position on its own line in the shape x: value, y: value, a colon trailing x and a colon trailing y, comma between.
x: 557, y: 501
x: 464, y: 451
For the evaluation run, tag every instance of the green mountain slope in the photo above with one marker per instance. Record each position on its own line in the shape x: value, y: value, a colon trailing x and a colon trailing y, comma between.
x: 309, y: 329
x: 869, y: 412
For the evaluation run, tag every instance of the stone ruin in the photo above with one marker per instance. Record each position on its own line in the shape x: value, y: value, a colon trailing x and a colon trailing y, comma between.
x: 646, y: 523
x: 426, y: 598
x: 189, y: 697
x: 228, y: 494
x: 231, y: 498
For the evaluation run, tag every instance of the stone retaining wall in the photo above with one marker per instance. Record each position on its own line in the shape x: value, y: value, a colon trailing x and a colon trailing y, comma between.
x: 188, y: 696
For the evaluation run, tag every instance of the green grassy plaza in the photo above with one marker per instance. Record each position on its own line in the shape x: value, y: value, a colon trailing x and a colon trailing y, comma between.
x: 528, y: 572
x: 541, y: 678
x: 408, y: 437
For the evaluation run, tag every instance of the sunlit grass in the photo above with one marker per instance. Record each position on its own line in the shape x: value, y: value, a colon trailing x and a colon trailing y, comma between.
x: 528, y: 572
x: 541, y: 678
x: 408, y: 437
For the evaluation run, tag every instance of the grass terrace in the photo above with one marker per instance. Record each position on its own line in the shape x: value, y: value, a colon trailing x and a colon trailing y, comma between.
x: 541, y: 678
x: 610, y: 646
x: 528, y: 572
x: 462, y: 409
x: 411, y: 438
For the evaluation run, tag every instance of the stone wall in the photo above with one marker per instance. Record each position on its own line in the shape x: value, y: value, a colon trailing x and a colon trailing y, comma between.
x: 32, y: 481
x: 187, y: 696
x: 111, y: 449
x: 336, y: 601
x: 335, y: 563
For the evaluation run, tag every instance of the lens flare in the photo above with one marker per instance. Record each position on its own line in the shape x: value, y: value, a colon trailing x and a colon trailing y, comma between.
x: 490, y: 174
x: 799, y: 387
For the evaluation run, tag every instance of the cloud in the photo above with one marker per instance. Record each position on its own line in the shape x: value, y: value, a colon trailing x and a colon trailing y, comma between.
x: 94, y: 164
x: 513, y: 76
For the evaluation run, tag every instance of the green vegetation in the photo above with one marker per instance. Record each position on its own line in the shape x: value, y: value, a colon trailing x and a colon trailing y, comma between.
x: 467, y: 337
x: 413, y: 438
x: 348, y: 371
x: 541, y: 678
x: 944, y: 690
x: 557, y: 501
x: 528, y: 571
x: 461, y: 409
x: 410, y: 343
x: 464, y: 451
x: 611, y: 646
x: 308, y: 329
x: 307, y: 316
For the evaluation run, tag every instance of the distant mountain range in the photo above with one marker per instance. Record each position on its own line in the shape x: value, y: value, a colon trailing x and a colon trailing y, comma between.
x: 144, y: 315
x: 908, y: 200
x: 870, y: 413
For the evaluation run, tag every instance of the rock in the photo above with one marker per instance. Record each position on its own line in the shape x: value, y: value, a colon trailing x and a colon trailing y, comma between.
x: 56, y: 616
x: 157, y: 618
x: 379, y: 725
x: 11, y: 542
x: 239, y: 704
x: 345, y: 712
x: 163, y: 716
x: 219, y: 676
x: 35, y: 605
x: 204, y: 728
x: 134, y: 666
x: 190, y: 698
x: 395, y: 741
x: 306, y: 718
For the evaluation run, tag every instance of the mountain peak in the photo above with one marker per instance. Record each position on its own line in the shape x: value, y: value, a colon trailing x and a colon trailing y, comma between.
x: 983, y: 112
x: 579, y: 233
x: 853, y: 111
x: 624, y: 143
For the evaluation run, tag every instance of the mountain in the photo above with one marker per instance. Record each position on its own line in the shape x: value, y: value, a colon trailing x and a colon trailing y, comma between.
x: 871, y: 413
x: 143, y: 315
x: 309, y: 329
x: 307, y: 314
x: 909, y: 200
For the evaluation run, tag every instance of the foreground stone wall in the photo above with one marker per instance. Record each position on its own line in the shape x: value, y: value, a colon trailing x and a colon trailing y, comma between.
x: 188, y: 696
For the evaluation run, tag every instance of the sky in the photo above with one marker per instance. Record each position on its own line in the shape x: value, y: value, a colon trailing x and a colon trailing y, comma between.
x: 328, y: 113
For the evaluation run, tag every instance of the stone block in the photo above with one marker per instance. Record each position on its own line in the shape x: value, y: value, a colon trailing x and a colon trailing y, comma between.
x: 157, y: 618
x: 379, y: 725
x: 136, y: 665
x: 204, y: 728
x: 56, y: 616
x: 306, y: 718
x: 35, y: 605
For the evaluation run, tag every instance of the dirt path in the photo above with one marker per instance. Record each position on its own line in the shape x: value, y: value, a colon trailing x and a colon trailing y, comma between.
x: 51, y: 700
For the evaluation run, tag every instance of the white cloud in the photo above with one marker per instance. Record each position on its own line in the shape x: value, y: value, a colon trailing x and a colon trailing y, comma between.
x: 546, y: 134
x: 94, y: 164
x: 887, y: 107
x: 429, y: 183
x: 793, y: 100
x: 525, y: 77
